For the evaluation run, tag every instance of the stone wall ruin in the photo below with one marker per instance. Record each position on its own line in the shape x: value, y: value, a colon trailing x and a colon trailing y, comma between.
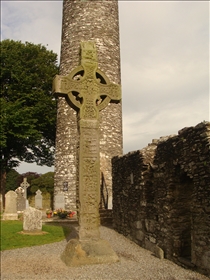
x: 161, y: 197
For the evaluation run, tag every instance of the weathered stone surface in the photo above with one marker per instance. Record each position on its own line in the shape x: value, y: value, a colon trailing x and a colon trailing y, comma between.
x: 21, y: 202
x: 158, y: 252
x: 25, y: 185
x: 169, y: 196
x: 10, y: 212
x: 59, y: 201
x: 38, y: 199
x: 32, y: 220
x: 79, y: 253
x: 94, y: 94
x: 140, y: 235
x: 88, y: 21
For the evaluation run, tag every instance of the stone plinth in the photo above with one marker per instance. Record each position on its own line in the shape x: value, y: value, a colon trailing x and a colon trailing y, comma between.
x: 79, y: 253
x: 8, y: 216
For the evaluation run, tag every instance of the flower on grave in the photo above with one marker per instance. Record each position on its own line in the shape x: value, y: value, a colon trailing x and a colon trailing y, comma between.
x: 49, y: 211
x: 55, y: 213
x: 60, y: 210
x: 62, y: 213
x: 72, y: 213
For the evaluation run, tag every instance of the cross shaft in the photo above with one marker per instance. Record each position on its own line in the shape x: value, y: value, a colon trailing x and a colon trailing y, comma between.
x: 88, y: 90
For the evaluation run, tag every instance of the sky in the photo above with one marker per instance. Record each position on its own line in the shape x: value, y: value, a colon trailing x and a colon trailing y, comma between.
x: 164, y: 62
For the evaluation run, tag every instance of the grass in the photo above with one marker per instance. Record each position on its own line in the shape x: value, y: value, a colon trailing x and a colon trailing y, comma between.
x: 11, y: 239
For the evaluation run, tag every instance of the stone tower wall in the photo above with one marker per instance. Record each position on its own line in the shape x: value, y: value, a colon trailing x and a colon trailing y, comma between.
x: 161, y: 197
x: 84, y: 21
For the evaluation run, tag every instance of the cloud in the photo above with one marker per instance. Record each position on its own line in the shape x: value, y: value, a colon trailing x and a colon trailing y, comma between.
x: 165, y: 68
x: 143, y: 126
x: 38, y: 22
x: 32, y: 167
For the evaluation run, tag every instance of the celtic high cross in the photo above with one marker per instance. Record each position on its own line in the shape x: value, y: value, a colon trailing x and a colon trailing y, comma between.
x: 88, y: 91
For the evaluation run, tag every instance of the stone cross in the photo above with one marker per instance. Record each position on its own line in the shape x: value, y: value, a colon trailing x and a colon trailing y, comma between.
x: 88, y: 90
x: 25, y: 185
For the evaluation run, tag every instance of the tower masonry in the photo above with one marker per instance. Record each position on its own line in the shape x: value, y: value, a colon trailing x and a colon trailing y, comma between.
x: 95, y: 21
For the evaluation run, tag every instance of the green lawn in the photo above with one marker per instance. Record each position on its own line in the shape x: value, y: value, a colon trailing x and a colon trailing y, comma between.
x: 11, y: 239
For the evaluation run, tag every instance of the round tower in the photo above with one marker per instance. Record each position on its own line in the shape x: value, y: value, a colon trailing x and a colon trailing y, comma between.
x: 88, y: 21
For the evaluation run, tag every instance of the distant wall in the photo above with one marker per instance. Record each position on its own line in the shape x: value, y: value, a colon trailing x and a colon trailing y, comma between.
x: 161, y: 197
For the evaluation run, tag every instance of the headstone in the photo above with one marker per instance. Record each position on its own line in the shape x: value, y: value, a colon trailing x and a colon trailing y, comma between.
x: 20, y: 190
x: 25, y: 185
x: 32, y: 220
x: 10, y: 212
x: 95, y: 96
x: 59, y: 201
x: 27, y: 203
x: 38, y: 199
x: 21, y: 201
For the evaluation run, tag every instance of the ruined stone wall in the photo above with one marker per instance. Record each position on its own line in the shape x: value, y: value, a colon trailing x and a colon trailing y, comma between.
x: 83, y: 21
x: 161, y: 197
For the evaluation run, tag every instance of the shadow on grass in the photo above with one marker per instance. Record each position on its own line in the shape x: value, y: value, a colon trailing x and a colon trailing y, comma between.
x: 73, y: 227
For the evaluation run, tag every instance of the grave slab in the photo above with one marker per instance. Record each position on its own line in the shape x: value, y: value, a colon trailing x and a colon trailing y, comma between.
x: 59, y: 201
x: 38, y: 199
x: 10, y: 212
x: 32, y: 220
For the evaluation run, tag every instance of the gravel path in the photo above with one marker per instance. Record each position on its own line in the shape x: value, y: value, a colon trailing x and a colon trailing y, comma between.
x: 43, y: 263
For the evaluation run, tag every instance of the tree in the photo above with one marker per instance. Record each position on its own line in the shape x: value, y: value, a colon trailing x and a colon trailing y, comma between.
x: 45, y: 183
x: 28, y: 110
x: 13, y: 180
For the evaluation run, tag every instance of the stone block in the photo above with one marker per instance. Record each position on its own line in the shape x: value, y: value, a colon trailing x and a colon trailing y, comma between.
x: 150, y: 225
x: 7, y: 216
x: 206, y: 261
x: 158, y: 252
x: 140, y: 235
x: 138, y: 224
x: 79, y: 253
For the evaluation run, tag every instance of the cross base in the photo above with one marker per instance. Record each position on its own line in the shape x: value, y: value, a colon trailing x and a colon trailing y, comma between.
x: 79, y: 253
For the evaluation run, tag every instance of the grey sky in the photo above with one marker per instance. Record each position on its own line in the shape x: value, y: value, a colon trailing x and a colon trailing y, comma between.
x: 164, y: 61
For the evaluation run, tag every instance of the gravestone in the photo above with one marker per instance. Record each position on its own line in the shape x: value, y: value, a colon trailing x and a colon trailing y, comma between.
x: 21, y: 201
x: 25, y: 185
x: 89, y: 93
x: 32, y: 220
x: 59, y: 201
x: 38, y: 199
x: 10, y: 212
x: 20, y: 190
